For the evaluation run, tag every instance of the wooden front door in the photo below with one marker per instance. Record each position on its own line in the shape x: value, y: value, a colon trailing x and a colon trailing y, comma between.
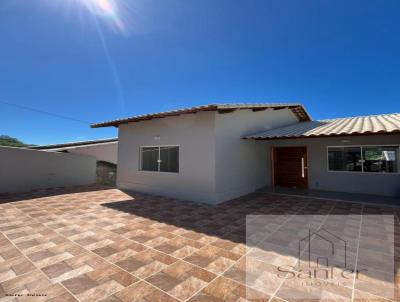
x: 290, y: 167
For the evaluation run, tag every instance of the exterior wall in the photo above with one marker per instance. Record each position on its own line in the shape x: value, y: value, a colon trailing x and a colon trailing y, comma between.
x: 241, y: 165
x: 194, y: 134
x: 353, y: 182
x: 106, y: 152
x: 25, y: 169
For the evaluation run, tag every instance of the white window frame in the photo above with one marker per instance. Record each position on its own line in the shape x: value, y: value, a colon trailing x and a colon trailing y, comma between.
x: 158, y: 161
x: 362, y: 159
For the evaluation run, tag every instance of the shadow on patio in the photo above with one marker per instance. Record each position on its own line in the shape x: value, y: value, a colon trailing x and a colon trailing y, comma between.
x: 271, y: 234
x: 95, y: 243
x: 43, y: 193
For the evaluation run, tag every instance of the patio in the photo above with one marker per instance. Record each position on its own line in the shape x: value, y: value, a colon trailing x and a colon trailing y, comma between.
x: 102, y: 244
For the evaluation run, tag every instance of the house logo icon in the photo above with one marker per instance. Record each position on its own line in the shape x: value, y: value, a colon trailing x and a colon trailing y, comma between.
x: 322, y: 247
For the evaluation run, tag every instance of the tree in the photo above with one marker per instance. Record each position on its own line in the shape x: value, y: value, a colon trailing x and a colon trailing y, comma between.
x: 9, y: 141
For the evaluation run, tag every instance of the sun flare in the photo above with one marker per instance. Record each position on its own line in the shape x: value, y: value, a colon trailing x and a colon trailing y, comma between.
x: 108, y: 10
x: 106, y: 7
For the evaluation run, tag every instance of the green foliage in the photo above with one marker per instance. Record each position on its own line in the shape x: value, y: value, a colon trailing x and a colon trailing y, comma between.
x: 373, y: 155
x: 9, y: 141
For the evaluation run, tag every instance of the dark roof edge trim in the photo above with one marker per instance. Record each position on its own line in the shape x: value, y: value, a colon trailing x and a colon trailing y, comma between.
x: 297, y: 109
x: 75, y: 144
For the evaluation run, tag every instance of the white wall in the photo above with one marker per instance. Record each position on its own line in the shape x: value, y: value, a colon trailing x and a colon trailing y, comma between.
x: 215, y: 164
x: 241, y: 165
x: 387, y: 184
x: 25, y: 169
x: 193, y: 133
x: 105, y: 152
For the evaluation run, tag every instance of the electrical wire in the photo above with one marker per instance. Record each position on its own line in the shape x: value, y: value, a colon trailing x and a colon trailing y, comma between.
x: 45, y: 112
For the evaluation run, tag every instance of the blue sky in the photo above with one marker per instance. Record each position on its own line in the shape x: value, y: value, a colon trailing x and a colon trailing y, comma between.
x: 338, y: 58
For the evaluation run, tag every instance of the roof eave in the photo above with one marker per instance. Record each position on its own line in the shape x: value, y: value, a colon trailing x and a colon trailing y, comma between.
x: 369, y: 133
x: 298, y: 109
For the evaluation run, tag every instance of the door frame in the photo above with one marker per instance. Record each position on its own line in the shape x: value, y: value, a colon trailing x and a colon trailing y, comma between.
x: 273, y: 162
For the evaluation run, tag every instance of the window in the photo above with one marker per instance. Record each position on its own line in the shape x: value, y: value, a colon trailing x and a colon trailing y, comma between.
x: 364, y: 159
x: 159, y: 159
x: 344, y: 158
x: 380, y: 159
x: 150, y: 156
x: 169, y: 159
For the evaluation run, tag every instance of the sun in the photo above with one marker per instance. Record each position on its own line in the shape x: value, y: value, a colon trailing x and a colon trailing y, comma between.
x: 103, y: 7
x: 106, y: 9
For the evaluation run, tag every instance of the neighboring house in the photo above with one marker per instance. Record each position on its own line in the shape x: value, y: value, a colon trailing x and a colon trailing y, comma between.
x: 103, y: 149
x: 214, y: 153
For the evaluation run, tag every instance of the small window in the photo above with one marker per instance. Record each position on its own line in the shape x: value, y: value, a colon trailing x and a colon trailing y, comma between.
x: 159, y: 159
x: 344, y: 159
x: 380, y: 159
x: 375, y: 159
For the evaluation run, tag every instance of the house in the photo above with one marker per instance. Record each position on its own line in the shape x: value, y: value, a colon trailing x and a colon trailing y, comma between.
x: 105, y: 150
x: 214, y: 153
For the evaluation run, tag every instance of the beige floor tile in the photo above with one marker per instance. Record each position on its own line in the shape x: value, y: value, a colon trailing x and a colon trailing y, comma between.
x: 44, y: 227
x: 223, y: 289
x: 181, y: 280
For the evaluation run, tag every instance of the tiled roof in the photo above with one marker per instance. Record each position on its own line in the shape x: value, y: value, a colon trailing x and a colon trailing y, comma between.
x: 75, y: 144
x: 297, y: 109
x: 384, y: 123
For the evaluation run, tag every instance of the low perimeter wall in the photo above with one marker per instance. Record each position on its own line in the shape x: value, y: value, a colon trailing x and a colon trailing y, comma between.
x: 23, y: 170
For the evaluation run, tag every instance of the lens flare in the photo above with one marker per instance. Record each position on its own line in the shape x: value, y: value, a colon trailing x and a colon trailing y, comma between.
x: 108, y: 10
x: 116, y: 14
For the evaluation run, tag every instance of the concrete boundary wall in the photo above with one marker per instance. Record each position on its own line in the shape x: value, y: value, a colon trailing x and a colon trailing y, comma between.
x: 23, y: 170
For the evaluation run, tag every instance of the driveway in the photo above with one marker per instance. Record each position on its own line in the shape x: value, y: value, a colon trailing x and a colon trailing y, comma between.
x: 102, y: 244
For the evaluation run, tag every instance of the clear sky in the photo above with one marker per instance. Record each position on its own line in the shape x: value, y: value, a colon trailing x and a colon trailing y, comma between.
x: 95, y: 60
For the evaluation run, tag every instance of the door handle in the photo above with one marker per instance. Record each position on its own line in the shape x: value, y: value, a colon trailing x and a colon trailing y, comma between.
x: 302, y: 167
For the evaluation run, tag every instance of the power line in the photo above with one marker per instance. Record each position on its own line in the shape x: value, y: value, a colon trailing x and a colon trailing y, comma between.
x: 45, y: 112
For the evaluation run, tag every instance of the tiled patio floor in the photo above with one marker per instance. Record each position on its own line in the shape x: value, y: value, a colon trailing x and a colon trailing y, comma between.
x: 101, y: 244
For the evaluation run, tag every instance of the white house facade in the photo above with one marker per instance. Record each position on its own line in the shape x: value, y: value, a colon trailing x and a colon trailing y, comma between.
x: 215, y: 153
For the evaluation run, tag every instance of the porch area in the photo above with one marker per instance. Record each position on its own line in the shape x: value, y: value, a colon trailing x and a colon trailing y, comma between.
x: 102, y: 244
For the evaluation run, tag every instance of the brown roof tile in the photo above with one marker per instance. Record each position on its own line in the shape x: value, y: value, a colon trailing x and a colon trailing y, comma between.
x: 372, y: 124
x: 297, y: 109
